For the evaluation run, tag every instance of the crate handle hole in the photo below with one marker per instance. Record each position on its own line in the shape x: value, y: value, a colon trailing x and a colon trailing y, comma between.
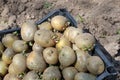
x: 111, y: 70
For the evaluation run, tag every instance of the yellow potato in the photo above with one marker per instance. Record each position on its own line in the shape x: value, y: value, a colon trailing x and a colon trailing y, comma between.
x: 59, y: 22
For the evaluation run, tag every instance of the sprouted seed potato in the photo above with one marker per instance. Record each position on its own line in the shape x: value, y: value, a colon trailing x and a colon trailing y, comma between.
x: 58, y: 51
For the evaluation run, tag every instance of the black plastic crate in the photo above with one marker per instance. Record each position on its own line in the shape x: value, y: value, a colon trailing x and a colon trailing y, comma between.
x: 109, y: 73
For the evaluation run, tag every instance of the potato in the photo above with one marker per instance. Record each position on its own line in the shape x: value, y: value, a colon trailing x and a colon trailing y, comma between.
x: 18, y: 64
x: 85, y: 41
x: 31, y: 75
x: 28, y: 30
x: 67, y: 56
x: 6, y: 77
x: 57, y: 35
x: 69, y: 73
x: 12, y: 69
x: 95, y: 65
x: 1, y: 48
x: 59, y: 22
x: 3, y: 68
x: 45, y: 25
x: 50, y: 55
x: 11, y: 77
x: 74, y: 47
x: 84, y: 76
x: 8, y: 55
x: 62, y: 42
x: 8, y: 40
x: 51, y: 73
x: 37, y: 47
x: 44, y: 38
x: 67, y: 32
x: 36, y: 62
x: 71, y: 32
x: 81, y: 61
x: 19, y: 46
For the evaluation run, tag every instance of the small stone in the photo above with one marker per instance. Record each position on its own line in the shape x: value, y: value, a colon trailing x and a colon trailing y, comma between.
x: 32, y: 16
x: 27, y: 16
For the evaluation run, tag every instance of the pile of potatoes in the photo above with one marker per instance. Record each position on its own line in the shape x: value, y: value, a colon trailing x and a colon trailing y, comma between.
x: 52, y: 50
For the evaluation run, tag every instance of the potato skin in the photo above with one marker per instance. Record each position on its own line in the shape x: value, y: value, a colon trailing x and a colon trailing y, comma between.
x: 84, y: 76
x: 37, y: 47
x: 57, y: 35
x: 8, y: 55
x: 28, y: 30
x: 74, y: 47
x: 11, y: 77
x: 67, y: 56
x: 3, y: 68
x: 52, y: 73
x: 59, y: 22
x: 69, y: 73
x: 71, y: 33
x: 85, y: 41
x: 81, y: 61
x: 18, y: 64
x: 8, y: 40
x: 45, y: 25
x: 50, y: 55
x: 95, y: 65
x: 31, y: 75
x: 36, y: 62
x: 62, y: 42
x: 19, y: 46
x: 44, y: 38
